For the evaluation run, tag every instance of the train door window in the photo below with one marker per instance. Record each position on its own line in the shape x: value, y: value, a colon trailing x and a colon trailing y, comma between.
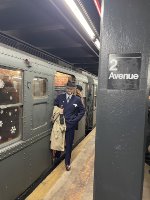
x: 10, y: 105
x: 95, y: 102
x: 39, y: 87
x: 95, y: 95
x: 60, y: 82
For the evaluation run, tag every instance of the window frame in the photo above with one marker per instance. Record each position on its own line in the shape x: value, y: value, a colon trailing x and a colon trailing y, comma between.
x: 18, y: 105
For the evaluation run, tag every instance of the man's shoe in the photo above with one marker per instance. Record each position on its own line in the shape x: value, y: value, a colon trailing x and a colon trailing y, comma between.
x: 68, y: 167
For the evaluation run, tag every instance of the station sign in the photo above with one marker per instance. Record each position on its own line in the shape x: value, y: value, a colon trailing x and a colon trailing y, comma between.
x: 124, y: 71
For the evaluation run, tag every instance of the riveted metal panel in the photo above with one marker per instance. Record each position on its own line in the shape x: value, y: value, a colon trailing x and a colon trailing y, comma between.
x: 40, y: 151
x: 14, y: 173
x: 27, y: 107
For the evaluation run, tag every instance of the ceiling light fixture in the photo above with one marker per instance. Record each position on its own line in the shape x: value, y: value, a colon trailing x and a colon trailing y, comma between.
x: 80, y: 17
x: 97, y: 44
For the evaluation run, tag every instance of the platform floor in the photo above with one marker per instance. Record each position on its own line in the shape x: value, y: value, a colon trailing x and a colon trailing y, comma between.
x: 76, y: 184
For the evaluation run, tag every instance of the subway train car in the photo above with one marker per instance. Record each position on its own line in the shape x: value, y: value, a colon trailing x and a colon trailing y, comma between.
x: 28, y: 87
x: 91, y: 94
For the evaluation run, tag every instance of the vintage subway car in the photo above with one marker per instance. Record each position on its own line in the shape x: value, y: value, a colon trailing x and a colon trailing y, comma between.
x: 28, y: 87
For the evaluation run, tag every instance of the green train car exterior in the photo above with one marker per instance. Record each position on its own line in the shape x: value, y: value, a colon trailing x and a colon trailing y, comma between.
x: 28, y: 87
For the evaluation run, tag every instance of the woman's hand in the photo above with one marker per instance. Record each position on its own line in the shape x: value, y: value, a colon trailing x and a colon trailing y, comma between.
x: 61, y: 111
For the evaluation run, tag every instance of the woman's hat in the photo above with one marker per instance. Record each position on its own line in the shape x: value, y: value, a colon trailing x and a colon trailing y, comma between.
x: 79, y: 87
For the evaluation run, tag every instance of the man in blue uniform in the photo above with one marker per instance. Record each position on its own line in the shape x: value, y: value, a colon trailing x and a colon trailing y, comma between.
x: 73, y: 111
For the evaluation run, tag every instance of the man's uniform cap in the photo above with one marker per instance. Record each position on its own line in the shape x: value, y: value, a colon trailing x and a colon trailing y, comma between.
x: 71, y: 84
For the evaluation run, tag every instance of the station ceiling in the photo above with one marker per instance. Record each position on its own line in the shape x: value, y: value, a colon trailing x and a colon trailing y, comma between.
x: 49, y: 25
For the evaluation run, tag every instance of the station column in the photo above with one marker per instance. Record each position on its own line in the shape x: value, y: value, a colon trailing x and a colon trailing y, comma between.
x: 122, y: 99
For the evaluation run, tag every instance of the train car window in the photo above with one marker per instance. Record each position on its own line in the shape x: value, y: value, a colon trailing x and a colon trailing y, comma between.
x: 60, y: 82
x: 39, y: 87
x: 10, y: 104
x: 10, y: 86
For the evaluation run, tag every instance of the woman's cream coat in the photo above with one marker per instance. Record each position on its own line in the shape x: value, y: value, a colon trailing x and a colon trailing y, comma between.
x: 58, y: 131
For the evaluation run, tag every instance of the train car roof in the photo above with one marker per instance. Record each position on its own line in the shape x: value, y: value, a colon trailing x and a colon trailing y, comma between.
x: 10, y: 51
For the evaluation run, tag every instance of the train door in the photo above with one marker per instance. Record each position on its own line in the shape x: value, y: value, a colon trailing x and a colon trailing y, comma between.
x: 94, y: 104
x: 60, y: 81
x: 80, y: 129
x: 40, y: 103
x: 37, y: 100
x: 40, y: 87
x: 89, y: 104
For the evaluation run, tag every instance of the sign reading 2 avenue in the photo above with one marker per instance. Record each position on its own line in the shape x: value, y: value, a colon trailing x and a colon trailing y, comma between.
x: 124, y: 71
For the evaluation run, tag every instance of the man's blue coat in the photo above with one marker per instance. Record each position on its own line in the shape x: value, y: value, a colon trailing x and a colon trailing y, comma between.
x: 73, y: 111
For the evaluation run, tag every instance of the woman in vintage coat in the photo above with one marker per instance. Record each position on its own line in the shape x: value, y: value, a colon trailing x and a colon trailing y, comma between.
x: 58, y: 130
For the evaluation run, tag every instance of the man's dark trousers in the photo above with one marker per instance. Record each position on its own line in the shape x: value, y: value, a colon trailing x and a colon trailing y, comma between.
x: 69, y: 142
x: 69, y: 137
